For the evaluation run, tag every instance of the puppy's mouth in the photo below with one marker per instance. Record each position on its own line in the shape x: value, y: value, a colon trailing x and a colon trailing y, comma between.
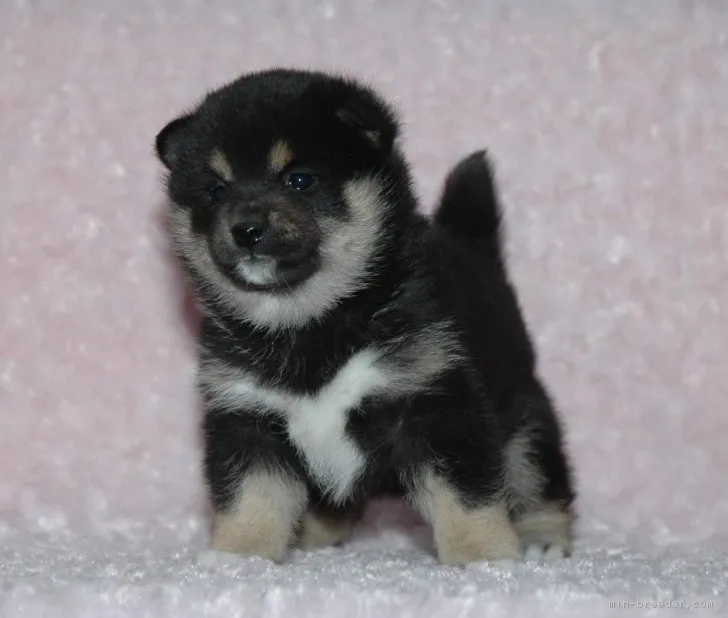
x: 257, y: 273
x: 265, y: 273
x: 268, y: 245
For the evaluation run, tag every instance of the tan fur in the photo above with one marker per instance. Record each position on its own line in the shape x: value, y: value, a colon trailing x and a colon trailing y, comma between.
x: 464, y: 535
x: 317, y: 530
x: 549, y: 525
x: 373, y: 137
x: 263, y: 519
x: 427, y: 354
x: 279, y: 156
x: 524, y: 479
x: 220, y: 164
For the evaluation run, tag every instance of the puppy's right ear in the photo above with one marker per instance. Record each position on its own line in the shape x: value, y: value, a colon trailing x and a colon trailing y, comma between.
x: 170, y: 138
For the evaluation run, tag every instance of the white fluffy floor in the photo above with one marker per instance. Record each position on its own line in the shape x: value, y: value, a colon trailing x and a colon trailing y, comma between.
x: 608, y: 124
x: 381, y: 573
x: 388, y: 569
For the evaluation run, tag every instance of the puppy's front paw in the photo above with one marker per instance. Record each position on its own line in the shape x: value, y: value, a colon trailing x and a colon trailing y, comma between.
x: 262, y: 539
x: 262, y: 520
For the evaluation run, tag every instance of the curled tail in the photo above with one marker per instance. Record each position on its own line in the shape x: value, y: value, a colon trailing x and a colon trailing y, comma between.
x: 469, y: 208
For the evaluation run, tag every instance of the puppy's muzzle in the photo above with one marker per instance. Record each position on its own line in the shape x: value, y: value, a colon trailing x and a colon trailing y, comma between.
x: 241, y: 231
x: 264, y: 230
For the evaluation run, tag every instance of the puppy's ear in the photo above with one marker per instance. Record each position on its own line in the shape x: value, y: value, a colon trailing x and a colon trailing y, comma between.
x: 372, y: 119
x: 169, y: 139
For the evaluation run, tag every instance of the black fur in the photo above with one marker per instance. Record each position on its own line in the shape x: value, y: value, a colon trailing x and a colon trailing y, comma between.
x: 450, y: 268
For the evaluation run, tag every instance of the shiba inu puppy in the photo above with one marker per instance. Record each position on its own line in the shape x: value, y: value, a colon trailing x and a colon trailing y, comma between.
x: 350, y: 346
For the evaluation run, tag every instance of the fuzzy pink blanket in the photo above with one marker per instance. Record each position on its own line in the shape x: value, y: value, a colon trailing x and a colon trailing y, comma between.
x: 608, y: 124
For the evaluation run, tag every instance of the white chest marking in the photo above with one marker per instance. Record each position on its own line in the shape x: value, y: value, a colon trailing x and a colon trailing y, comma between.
x: 316, y: 423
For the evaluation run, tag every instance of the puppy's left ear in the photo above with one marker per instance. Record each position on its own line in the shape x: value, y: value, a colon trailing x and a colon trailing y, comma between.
x: 374, y: 121
x: 169, y: 140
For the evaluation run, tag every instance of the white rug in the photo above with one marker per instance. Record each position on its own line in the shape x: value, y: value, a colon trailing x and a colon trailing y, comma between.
x: 384, y: 572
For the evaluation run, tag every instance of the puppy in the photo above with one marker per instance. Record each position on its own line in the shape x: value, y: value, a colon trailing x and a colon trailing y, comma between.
x: 350, y: 347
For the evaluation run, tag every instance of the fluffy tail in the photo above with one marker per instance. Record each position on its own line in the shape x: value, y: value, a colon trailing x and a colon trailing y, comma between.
x: 469, y: 207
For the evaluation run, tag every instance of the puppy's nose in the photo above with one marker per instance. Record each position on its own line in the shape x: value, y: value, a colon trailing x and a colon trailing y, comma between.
x: 249, y: 230
x: 247, y: 235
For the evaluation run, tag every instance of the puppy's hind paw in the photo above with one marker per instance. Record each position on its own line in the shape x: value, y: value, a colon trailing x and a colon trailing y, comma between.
x: 539, y: 552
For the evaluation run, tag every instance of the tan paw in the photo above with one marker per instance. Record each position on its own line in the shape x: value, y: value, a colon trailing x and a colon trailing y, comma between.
x: 251, y: 538
x: 262, y: 520
x: 549, y: 528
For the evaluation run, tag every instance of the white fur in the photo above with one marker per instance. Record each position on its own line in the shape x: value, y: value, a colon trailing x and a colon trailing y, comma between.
x: 260, y: 272
x: 318, y: 427
x: 316, y: 423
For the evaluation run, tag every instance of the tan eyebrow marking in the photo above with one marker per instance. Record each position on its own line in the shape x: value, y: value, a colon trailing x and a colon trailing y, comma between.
x: 279, y: 156
x: 221, y: 165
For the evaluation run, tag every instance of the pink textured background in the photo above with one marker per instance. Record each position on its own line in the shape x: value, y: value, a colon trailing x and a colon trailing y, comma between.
x: 608, y: 124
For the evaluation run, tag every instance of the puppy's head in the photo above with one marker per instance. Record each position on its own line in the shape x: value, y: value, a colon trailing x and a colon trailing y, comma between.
x: 278, y: 183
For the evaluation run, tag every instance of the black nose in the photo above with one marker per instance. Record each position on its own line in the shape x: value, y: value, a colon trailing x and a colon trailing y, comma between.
x: 247, y: 234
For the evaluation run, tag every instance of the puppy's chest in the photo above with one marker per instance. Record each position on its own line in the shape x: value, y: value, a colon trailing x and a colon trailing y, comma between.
x: 316, y: 420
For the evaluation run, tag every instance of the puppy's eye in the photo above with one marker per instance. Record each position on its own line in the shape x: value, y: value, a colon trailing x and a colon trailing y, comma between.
x: 219, y: 192
x: 300, y: 180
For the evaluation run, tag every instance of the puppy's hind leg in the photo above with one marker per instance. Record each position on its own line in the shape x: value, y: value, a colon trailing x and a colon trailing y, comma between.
x: 546, y: 531
x: 465, y: 533
x: 539, y: 479
x: 459, y: 483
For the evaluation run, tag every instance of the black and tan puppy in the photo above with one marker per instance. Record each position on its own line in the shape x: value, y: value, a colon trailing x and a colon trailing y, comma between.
x: 350, y: 347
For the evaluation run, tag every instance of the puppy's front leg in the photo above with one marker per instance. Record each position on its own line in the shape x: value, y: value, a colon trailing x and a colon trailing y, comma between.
x: 262, y: 519
x: 257, y: 494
